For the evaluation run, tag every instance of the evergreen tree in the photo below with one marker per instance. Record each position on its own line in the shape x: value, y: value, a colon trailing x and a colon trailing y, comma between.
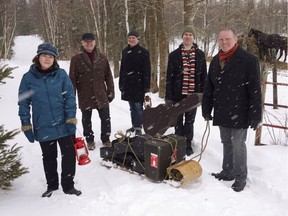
x: 10, y: 164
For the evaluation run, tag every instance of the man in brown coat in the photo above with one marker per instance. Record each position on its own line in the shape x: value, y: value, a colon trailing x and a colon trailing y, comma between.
x: 92, y: 79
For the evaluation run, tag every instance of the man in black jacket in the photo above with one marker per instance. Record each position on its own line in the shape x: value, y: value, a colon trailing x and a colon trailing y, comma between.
x: 134, y: 78
x: 233, y: 90
x: 186, y: 74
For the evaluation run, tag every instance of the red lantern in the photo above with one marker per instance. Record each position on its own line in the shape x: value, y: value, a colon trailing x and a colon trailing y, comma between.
x: 81, y: 151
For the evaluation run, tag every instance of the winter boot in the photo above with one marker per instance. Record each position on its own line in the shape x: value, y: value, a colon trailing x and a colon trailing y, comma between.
x: 138, y: 132
x: 130, y: 130
x: 73, y: 191
x: 223, y: 176
x: 91, y: 145
x: 107, y: 144
x: 48, y: 193
x: 238, y: 185
x: 189, y: 150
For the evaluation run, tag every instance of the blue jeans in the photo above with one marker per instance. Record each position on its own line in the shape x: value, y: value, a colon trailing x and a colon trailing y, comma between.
x: 234, y: 152
x: 136, y: 110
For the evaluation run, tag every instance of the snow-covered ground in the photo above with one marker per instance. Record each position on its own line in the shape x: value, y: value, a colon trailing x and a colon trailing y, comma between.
x: 113, y: 192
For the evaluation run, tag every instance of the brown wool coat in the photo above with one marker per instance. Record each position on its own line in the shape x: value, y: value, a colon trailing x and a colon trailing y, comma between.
x: 92, y: 81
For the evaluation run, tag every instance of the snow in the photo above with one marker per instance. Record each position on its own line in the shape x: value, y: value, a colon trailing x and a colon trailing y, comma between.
x: 111, y: 192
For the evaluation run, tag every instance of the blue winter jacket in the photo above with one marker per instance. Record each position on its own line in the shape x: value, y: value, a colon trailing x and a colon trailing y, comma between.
x: 52, y: 99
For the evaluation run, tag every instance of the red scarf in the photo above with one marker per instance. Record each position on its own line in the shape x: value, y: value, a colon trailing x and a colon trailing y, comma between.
x: 227, y: 55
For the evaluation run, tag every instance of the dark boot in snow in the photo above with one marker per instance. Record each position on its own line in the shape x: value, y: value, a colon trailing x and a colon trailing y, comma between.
x: 138, y: 132
x: 223, y: 176
x: 48, y: 193
x: 130, y: 130
x: 73, y: 191
x: 238, y: 185
x: 91, y: 145
x: 189, y: 150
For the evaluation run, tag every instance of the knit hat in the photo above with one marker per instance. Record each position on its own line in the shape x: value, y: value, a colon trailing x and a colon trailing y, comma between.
x: 189, y: 29
x: 134, y: 33
x: 47, y: 48
x: 88, y: 36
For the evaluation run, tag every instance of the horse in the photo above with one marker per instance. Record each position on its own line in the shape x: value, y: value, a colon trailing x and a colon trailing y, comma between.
x: 283, y: 47
x: 265, y: 42
x: 248, y: 43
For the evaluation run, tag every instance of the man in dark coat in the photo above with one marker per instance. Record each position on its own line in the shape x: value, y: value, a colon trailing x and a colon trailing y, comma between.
x: 233, y: 90
x: 134, y: 80
x: 186, y: 74
x: 92, y: 78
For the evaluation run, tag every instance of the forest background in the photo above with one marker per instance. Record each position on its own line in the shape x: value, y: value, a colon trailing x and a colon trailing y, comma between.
x: 160, y: 23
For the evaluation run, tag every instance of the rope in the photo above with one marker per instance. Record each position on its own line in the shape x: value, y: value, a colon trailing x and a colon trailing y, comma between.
x: 204, y: 141
x: 172, y: 148
x: 122, y: 137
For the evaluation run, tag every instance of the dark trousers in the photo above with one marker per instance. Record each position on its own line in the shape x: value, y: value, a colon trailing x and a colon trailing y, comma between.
x: 104, y: 115
x: 68, y: 162
x: 185, y: 125
x: 234, y: 152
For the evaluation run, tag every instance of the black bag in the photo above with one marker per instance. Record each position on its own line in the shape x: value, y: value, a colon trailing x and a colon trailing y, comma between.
x: 160, y: 153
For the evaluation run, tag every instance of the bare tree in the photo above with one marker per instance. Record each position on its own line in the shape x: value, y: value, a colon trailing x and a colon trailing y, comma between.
x: 95, y: 17
x: 163, y: 46
x: 152, y: 45
x: 190, y: 10
x: 8, y: 26
x: 49, y: 10
x: 63, y: 22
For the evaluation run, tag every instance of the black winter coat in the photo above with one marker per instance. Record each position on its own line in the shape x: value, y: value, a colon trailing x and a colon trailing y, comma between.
x: 135, y: 73
x: 234, y: 92
x: 174, y: 78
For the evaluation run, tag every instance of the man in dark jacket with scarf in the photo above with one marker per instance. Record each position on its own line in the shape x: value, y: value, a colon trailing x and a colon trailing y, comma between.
x: 92, y: 78
x: 186, y: 74
x: 233, y: 90
x: 134, y: 79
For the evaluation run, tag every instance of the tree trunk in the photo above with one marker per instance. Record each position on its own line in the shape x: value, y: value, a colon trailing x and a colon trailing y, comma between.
x: 163, y: 46
x: 8, y: 26
x: 95, y: 16
x: 151, y: 35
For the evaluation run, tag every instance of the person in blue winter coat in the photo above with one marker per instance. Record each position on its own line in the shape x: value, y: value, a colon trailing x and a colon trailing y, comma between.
x: 47, y: 93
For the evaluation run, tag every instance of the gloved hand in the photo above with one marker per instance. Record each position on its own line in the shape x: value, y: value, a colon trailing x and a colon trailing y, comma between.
x: 254, y: 124
x: 27, y: 129
x: 110, y: 99
x: 168, y: 102
x: 207, y: 117
x: 71, y: 125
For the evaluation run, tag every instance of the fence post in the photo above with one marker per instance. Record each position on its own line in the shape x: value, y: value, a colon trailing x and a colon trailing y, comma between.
x: 274, y: 70
x: 263, y: 76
